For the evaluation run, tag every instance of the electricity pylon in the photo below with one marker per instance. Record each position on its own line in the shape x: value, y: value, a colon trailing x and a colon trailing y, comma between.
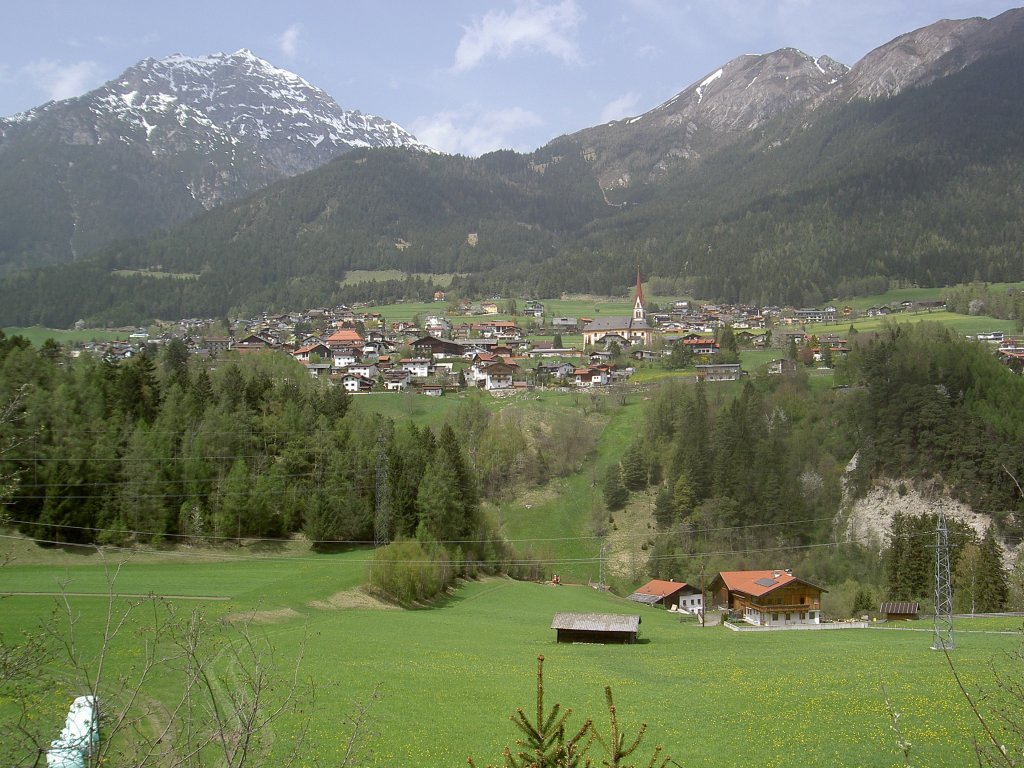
x: 943, y: 622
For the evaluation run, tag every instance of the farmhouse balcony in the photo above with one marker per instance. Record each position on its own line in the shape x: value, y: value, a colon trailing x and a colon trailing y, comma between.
x: 782, y: 607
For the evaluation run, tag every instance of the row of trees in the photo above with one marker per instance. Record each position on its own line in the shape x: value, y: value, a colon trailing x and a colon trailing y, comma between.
x: 151, y: 449
x: 981, y: 583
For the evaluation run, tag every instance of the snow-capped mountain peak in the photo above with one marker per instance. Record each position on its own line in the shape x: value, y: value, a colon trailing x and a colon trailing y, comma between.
x: 246, y: 101
x: 230, y: 111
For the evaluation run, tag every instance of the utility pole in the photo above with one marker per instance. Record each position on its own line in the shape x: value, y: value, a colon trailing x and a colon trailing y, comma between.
x: 382, y: 511
x: 600, y: 579
x: 703, y: 608
x: 943, y: 622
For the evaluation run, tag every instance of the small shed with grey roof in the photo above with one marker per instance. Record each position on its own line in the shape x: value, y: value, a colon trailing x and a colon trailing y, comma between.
x: 595, y: 628
x: 900, y: 610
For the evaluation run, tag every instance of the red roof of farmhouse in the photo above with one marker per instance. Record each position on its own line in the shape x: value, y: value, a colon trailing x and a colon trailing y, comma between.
x: 757, y: 583
x: 660, y: 588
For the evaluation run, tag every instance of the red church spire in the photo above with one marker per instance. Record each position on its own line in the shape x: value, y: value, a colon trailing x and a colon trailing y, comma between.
x: 639, y: 312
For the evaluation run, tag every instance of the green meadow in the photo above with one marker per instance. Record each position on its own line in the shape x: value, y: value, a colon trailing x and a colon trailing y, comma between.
x: 357, y: 276
x: 452, y: 674
x: 38, y: 335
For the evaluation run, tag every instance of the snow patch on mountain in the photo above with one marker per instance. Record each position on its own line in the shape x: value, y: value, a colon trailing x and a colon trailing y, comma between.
x: 706, y: 82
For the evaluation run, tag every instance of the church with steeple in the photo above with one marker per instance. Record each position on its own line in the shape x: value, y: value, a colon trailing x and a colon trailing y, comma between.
x: 625, y: 330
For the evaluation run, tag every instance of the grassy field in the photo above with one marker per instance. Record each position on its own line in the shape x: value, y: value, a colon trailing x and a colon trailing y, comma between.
x: 968, y: 325
x: 898, y: 295
x: 406, y: 311
x: 451, y: 675
x: 356, y: 276
x: 38, y: 335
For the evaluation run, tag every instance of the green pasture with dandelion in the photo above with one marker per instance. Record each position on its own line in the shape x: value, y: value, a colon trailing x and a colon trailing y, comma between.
x: 451, y: 674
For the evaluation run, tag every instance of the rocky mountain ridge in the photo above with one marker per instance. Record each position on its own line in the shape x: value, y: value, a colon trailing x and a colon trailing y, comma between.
x: 161, y: 143
x: 742, y: 97
x: 230, y: 109
x: 760, y: 182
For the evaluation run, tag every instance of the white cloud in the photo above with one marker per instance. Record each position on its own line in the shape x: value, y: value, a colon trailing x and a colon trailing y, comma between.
x: 648, y: 52
x: 624, y: 106
x: 63, y: 81
x: 288, y: 42
x: 531, y: 27
x: 473, y: 133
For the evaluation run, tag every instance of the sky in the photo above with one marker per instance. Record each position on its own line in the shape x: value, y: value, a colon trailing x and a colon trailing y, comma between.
x: 466, y: 76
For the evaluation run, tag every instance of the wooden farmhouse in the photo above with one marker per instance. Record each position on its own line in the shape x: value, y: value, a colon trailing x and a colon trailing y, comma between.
x: 595, y: 628
x: 773, y: 598
x: 900, y: 610
x: 673, y: 595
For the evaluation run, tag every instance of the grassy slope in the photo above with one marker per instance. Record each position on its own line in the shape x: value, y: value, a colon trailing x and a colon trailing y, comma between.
x: 558, y: 523
x: 452, y: 675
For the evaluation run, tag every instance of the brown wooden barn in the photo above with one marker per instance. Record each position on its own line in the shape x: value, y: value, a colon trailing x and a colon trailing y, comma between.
x: 595, y: 628
x: 899, y: 610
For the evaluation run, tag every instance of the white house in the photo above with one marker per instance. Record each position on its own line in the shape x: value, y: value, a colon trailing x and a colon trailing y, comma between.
x: 354, y: 383
x: 366, y: 370
x: 498, y: 376
x: 343, y: 358
x: 396, y: 380
x: 418, y: 368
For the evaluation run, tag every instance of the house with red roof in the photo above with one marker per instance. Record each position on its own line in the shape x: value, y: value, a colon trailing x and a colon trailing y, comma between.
x: 673, y: 595
x: 773, y: 598
x: 344, y: 338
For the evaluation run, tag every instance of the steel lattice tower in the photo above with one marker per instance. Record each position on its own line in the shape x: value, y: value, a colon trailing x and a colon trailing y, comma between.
x: 943, y: 622
x: 382, y: 516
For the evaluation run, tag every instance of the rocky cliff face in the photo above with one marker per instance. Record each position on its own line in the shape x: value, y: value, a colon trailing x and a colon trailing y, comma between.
x: 868, y: 520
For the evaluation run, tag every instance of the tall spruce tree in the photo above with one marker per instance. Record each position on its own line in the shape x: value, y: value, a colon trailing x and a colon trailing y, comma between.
x: 615, y: 493
x: 994, y: 586
x: 634, y: 467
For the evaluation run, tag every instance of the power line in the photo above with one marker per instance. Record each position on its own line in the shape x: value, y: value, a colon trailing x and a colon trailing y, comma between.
x: 481, y: 563
x: 644, y: 535
x: 367, y: 543
x: 219, y: 478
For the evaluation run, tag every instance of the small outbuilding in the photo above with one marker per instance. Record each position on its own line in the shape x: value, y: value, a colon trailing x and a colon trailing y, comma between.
x: 900, y: 610
x: 672, y: 595
x: 595, y: 628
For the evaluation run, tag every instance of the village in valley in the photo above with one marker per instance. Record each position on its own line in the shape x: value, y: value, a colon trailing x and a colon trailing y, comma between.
x: 499, y: 347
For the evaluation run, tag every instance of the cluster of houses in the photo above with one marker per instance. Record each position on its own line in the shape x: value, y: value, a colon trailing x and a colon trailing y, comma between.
x: 361, y: 352
x: 766, y: 598
x: 362, y: 363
